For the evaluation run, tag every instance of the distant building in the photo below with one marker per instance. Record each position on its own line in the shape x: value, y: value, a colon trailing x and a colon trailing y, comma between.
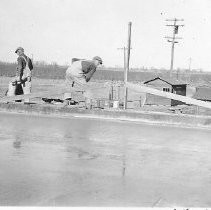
x: 203, y: 93
x: 171, y: 86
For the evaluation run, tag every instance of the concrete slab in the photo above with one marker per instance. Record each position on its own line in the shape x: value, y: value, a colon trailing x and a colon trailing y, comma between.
x: 51, y: 161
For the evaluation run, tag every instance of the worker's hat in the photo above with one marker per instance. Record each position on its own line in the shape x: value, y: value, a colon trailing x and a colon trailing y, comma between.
x: 19, y: 48
x: 98, y: 59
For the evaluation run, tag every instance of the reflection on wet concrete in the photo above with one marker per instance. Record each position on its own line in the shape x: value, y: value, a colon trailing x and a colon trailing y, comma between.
x: 17, y: 141
x: 17, y: 144
x: 123, y: 166
x: 81, y: 162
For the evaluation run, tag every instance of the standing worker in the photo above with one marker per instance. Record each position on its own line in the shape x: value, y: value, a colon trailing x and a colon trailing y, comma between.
x: 22, y: 82
x: 79, y: 74
x: 24, y: 68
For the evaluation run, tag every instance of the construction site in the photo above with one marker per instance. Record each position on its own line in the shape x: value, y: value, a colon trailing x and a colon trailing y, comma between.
x: 135, y: 143
x: 165, y: 95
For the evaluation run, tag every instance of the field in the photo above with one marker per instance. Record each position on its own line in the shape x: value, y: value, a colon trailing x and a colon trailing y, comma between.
x: 138, y: 75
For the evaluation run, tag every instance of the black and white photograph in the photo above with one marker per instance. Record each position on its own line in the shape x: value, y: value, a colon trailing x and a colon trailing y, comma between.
x: 105, y: 103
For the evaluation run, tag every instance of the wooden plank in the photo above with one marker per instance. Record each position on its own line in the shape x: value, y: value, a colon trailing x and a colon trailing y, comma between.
x: 185, y: 99
x: 50, y: 94
x: 42, y: 94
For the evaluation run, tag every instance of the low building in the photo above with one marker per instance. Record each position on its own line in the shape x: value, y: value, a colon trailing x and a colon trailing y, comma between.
x: 170, y: 86
x: 203, y: 93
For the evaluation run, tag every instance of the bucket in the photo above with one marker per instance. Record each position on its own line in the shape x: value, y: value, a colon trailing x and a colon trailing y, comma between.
x: 67, y: 96
x: 11, y: 89
x: 115, y: 104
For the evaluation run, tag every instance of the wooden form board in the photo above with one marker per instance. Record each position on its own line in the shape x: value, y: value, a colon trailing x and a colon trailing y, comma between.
x: 50, y: 94
x: 185, y: 99
x: 43, y: 94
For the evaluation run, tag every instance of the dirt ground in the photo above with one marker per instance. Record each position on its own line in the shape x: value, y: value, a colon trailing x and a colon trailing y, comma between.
x: 102, y: 90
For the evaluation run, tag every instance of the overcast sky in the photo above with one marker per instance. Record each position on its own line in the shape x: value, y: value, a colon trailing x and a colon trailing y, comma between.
x: 57, y: 30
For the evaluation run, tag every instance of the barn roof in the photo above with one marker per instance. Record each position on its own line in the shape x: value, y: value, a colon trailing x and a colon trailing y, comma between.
x: 170, y: 81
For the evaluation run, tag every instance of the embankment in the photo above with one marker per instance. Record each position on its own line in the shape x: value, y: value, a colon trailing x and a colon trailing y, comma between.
x: 160, y: 118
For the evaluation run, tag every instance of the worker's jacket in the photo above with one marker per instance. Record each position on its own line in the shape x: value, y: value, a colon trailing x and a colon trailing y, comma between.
x: 22, y: 65
x: 84, y: 68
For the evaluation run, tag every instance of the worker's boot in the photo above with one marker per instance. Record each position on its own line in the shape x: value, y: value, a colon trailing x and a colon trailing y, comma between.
x: 27, y: 89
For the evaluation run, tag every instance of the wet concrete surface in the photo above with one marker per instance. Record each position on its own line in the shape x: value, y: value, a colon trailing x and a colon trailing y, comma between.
x: 46, y: 161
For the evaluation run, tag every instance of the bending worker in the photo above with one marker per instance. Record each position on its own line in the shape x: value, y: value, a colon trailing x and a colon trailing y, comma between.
x: 79, y: 74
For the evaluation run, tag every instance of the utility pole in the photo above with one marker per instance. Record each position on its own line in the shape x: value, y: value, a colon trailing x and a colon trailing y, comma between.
x: 173, y: 39
x: 189, y: 70
x: 190, y: 61
x: 124, y: 50
x: 127, y: 65
x: 125, y: 55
